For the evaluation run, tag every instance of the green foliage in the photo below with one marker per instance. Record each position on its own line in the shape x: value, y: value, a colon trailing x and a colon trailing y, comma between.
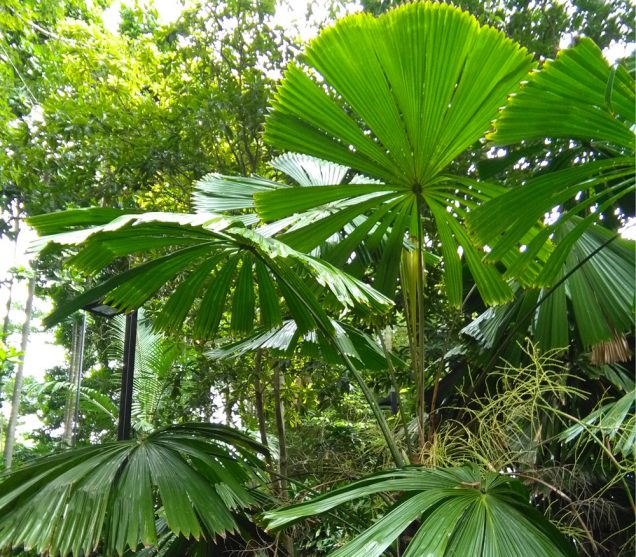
x: 207, y: 245
x: 399, y: 111
x: 612, y: 422
x: 69, y: 502
x: 406, y: 140
x: 462, y: 512
x: 95, y: 118
x: 542, y: 26
x: 9, y: 357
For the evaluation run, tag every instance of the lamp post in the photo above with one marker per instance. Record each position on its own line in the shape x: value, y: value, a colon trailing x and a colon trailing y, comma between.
x: 130, y: 344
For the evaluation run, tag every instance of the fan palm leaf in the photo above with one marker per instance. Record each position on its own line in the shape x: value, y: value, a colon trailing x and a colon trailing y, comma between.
x: 595, y: 294
x: 216, y: 259
x: 210, y: 254
x: 427, y: 88
x: 459, y: 510
x: 216, y: 193
x: 364, y: 352
x: 579, y: 97
x: 614, y: 421
x: 104, y: 495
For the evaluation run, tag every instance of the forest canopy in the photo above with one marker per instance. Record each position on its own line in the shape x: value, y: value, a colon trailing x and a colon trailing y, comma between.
x: 366, y: 294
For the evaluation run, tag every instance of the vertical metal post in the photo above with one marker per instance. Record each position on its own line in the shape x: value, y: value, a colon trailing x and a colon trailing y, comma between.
x: 125, y: 402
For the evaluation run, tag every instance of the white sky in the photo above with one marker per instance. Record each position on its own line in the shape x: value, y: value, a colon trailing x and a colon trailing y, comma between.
x: 41, y: 354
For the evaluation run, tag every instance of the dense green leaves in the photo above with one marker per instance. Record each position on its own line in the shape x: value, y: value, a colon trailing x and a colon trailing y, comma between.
x: 421, y: 104
x: 70, y: 502
x: 578, y: 95
x: 592, y: 302
x: 460, y: 511
x: 614, y: 423
x: 397, y: 108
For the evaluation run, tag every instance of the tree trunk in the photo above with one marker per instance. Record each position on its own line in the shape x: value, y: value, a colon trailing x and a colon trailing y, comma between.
x: 67, y: 437
x: 5, y: 324
x: 282, y: 448
x: 280, y: 429
x: 386, y: 341
x: 71, y: 409
x: 7, y: 315
x: 17, y: 387
x: 80, y: 369
x: 229, y: 403
x: 258, y: 399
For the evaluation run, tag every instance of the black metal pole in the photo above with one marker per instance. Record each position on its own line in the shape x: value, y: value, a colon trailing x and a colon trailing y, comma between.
x: 125, y: 402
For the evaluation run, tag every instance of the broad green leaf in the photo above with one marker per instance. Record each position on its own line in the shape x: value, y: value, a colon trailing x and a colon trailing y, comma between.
x: 207, y: 269
x: 365, y: 352
x: 576, y: 97
x: 596, y: 295
x: 104, y: 495
x: 462, y: 512
x: 427, y: 88
x: 569, y: 97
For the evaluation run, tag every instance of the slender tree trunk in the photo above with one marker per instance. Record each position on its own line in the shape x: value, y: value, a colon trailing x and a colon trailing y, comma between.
x: 258, y: 396
x: 69, y: 407
x: 420, y: 336
x: 386, y: 340
x: 17, y: 387
x: 259, y: 402
x: 411, y: 292
x: 5, y: 323
x: 80, y: 369
x: 282, y: 447
x: 229, y: 403
x: 7, y: 314
x: 280, y: 429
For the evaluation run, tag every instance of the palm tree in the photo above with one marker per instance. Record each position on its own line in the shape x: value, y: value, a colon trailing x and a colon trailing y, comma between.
x: 579, y: 98
x: 427, y: 88
x: 214, y: 258
x: 402, y: 115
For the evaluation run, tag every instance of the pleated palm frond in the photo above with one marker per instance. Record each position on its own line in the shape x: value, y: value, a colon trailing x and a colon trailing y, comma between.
x: 220, y: 194
x: 287, y: 339
x: 106, y: 497
x: 427, y: 88
x: 458, y: 511
x: 579, y: 97
x: 250, y: 540
x: 234, y: 195
x: 593, y: 305
x: 217, y: 193
x: 212, y: 264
